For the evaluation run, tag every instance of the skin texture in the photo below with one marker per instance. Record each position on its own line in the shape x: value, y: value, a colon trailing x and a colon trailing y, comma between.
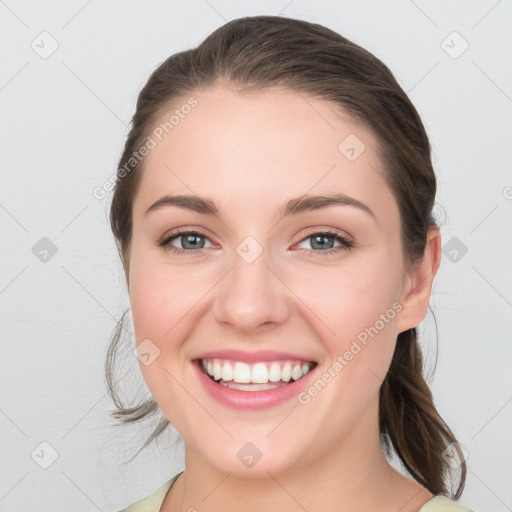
x: 250, y: 153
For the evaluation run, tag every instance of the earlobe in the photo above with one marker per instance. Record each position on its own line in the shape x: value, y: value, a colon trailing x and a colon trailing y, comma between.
x: 418, y: 284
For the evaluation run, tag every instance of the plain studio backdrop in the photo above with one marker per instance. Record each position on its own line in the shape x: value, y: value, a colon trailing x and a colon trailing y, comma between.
x: 71, y: 72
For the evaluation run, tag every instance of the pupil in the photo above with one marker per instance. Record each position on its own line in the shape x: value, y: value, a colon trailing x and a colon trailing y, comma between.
x: 322, y: 245
x: 190, y: 240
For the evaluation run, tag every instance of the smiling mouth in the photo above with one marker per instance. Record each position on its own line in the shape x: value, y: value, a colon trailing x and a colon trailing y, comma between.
x: 254, y: 377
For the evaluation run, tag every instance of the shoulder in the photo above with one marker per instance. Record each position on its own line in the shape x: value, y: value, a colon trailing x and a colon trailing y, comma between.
x: 443, y: 504
x: 153, y: 502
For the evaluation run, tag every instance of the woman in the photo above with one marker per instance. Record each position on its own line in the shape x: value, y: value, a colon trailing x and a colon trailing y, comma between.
x: 273, y: 212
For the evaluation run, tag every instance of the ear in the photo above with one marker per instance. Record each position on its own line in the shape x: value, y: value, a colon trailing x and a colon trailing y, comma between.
x: 418, y: 283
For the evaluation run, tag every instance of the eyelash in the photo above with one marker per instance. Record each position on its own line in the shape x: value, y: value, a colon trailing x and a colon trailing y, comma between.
x: 164, y: 242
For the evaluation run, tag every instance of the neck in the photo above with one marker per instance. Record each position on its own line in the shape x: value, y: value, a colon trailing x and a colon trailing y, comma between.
x: 352, y: 477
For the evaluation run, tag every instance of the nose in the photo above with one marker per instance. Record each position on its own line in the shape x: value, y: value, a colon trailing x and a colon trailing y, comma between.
x: 252, y: 298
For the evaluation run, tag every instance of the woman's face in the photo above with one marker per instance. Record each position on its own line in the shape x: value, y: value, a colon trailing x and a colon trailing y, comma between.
x: 259, y: 283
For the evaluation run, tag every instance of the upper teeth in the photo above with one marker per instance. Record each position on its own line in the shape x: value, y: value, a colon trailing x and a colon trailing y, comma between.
x: 258, y: 373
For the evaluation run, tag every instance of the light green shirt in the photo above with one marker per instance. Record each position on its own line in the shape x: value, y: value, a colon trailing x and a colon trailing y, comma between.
x: 153, y: 502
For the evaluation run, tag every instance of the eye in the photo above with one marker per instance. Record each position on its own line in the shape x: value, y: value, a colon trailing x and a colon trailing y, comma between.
x: 320, y: 239
x: 193, y: 240
x: 190, y: 240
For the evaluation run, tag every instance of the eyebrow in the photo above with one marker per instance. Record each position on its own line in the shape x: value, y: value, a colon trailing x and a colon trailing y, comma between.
x: 292, y: 207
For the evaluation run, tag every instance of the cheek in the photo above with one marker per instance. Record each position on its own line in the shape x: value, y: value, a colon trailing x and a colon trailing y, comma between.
x: 152, y: 309
x: 355, y: 308
x: 158, y: 303
x: 349, y: 299
x: 160, y: 294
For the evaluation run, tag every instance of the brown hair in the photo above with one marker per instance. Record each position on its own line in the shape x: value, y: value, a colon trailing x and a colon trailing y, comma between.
x: 263, y: 51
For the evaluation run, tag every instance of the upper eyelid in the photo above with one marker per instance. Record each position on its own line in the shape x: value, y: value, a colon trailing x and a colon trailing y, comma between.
x: 175, y: 233
x: 328, y: 231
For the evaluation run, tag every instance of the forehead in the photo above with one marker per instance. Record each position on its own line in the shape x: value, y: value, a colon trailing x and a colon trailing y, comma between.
x: 261, y: 148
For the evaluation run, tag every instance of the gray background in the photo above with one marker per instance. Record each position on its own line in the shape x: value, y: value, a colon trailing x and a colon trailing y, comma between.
x: 64, y: 119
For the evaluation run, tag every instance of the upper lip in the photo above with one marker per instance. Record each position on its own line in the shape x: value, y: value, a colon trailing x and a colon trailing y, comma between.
x: 251, y: 357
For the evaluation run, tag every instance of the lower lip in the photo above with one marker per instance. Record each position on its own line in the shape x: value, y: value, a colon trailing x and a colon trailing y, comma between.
x: 263, y: 399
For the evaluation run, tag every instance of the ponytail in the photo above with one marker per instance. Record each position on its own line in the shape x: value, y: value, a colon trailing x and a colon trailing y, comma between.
x: 409, y: 420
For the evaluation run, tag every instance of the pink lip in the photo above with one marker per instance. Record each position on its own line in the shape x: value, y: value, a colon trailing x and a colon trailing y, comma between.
x: 251, y: 357
x: 255, y: 400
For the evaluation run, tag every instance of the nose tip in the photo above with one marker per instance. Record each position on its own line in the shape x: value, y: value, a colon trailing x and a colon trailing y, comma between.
x: 251, y: 297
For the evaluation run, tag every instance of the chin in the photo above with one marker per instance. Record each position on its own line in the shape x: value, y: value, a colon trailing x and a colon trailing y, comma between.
x: 252, y: 459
